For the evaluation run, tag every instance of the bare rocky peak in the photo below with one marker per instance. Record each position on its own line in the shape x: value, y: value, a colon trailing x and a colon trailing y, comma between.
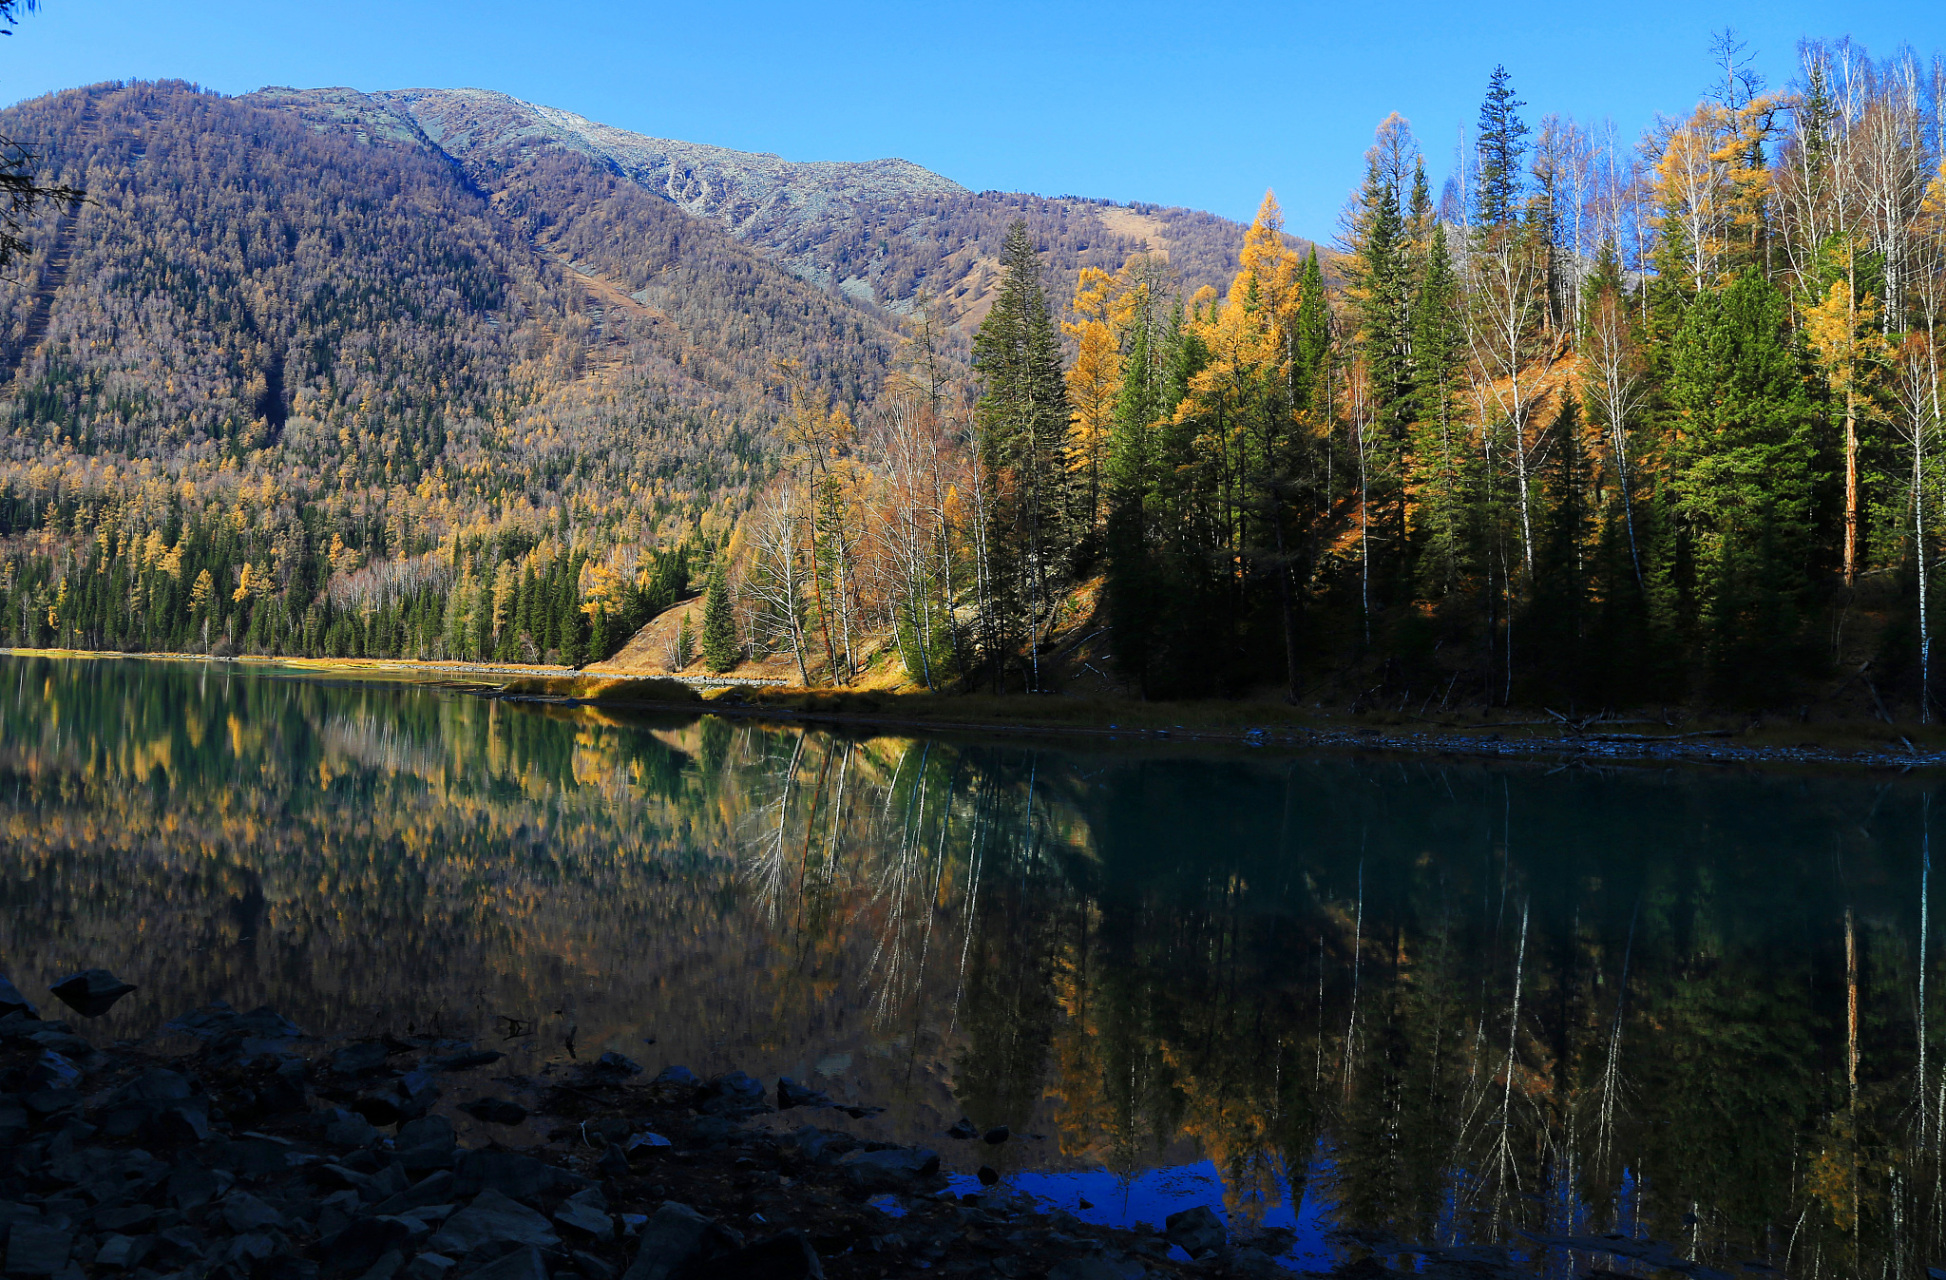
x: 754, y: 193
x: 880, y: 231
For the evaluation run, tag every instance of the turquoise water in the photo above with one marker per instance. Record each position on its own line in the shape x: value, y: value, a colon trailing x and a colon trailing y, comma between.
x: 1372, y: 1002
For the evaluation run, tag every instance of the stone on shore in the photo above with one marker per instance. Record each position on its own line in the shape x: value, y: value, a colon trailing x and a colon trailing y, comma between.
x: 491, y: 1219
x: 11, y: 1001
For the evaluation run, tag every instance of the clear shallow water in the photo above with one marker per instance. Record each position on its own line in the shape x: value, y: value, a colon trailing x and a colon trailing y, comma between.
x: 1373, y: 1002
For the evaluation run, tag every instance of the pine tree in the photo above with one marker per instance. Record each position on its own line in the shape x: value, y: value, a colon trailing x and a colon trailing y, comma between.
x: 1745, y: 476
x: 720, y: 650
x: 1500, y: 146
x: 1442, y: 456
x: 1021, y: 422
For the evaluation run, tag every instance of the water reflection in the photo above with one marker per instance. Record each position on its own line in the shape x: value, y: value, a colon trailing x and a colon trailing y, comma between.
x: 1413, y: 1003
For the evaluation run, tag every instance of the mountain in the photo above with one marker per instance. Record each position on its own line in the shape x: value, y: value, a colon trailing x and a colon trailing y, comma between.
x: 879, y: 231
x: 315, y: 358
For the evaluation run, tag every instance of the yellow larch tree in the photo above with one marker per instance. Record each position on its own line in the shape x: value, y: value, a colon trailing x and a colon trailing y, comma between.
x: 1094, y: 379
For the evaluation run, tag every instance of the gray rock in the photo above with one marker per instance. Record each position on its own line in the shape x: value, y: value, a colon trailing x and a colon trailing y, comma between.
x: 124, y: 1252
x: 435, y: 1188
x: 244, y: 1212
x: 1195, y: 1231
x: 12, y: 1002
x: 674, y: 1236
x: 425, y: 1144
x: 387, y: 1265
x: 511, y: 1174
x: 522, y: 1264
x: 893, y: 1169
x: 37, y: 1250
x: 492, y: 1218
x: 249, y: 1249
x: 998, y: 1134
x: 592, y: 1267
x: 353, y: 1251
x: 158, y: 1084
x: 349, y: 1129
x: 123, y: 1217
x: 792, y: 1094
x: 386, y: 1183
x: 429, y: 1266
x: 92, y: 992
x: 192, y: 1187
x: 733, y: 1093
x: 586, y: 1219
x: 674, y: 1077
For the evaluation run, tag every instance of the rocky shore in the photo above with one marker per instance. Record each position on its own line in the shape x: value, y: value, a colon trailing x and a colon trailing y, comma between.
x: 262, y: 1152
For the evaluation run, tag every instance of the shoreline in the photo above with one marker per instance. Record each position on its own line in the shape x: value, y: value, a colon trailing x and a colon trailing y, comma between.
x: 1851, y: 744
x: 262, y: 1151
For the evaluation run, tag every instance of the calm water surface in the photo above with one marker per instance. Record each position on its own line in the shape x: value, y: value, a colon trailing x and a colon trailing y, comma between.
x: 1370, y: 1001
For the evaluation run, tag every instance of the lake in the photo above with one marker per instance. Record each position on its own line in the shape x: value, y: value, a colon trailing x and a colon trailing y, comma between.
x: 1376, y: 1002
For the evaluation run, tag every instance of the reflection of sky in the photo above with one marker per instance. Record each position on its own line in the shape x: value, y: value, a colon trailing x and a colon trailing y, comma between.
x: 1153, y: 1196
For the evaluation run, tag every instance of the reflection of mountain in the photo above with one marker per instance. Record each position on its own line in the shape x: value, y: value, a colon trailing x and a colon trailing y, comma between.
x: 1454, y: 1002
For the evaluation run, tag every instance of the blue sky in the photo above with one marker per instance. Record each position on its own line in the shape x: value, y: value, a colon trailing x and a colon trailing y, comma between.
x: 1201, y: 104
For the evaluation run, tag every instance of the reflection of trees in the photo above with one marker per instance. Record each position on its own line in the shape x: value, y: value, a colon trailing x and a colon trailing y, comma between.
x: 1458, y: 1003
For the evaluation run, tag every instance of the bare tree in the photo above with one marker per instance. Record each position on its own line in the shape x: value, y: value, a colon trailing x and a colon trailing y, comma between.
x: 1615, y: 380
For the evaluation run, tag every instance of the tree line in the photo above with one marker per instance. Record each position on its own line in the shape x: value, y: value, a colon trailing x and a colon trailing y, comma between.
x: 1583, y: 423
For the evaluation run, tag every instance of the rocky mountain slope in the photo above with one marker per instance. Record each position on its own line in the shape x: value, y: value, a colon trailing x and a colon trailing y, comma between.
x: 880, y: 231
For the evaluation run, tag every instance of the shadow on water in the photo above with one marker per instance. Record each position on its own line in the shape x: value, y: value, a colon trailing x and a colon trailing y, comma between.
x: 1355, y: 1005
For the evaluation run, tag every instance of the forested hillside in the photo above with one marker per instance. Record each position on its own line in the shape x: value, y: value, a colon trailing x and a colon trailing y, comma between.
x: 1586, y: 425
x: 286, y: 388
x: 411, y: 375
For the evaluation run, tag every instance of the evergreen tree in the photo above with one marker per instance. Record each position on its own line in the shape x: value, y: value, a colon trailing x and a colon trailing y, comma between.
x: 720, y: 651
x: 1441, y: 478
x: 1745, y: 476
x: 1500, y: 146
x: 1021, y: 421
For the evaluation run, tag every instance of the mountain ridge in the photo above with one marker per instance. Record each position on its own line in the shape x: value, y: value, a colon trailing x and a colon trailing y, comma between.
x: 880, y: 231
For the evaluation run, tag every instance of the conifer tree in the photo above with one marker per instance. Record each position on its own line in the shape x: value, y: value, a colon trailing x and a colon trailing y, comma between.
x: 1744, y: 455
x: 1022, y: 423
x: 1500, y: 146
x: 719, y: 622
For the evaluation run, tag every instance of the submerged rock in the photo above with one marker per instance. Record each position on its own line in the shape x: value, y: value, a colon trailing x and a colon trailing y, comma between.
x: 92, y: 992
x: 1195, y: 1231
